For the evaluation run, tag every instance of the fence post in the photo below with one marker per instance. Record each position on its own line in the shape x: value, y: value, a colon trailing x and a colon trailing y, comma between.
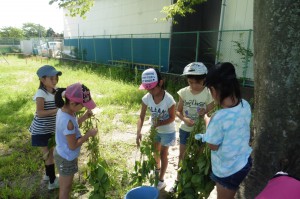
x: 131, y: 45
x: 159, y: 51
x: 111, y: 49
x: 197, y: 47
x: 95, y: 54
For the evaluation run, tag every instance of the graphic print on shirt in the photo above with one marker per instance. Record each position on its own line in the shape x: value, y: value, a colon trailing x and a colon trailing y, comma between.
x: 192, y: 107
x: 159, y: 113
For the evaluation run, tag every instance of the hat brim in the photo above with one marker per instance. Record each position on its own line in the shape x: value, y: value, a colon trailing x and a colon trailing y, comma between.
x: 148, y: 86
x: 89, y: 105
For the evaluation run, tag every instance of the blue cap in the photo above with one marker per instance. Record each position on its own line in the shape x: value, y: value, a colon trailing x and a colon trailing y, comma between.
x: 48, y: 71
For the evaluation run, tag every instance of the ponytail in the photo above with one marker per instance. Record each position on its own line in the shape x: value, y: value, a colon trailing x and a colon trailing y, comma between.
x: 59, y: 102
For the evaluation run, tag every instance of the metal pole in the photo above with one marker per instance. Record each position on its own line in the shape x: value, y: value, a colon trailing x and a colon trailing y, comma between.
x: 221, y: 29
x: 131, y: 50
x: 95, y: 54
x: 111, y: 49
x: 246, y: 58
x: 159, y: 56
x: 197, y: 47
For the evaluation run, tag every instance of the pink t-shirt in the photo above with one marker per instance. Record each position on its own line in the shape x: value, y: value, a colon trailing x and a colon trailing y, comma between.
x: 281, y: 187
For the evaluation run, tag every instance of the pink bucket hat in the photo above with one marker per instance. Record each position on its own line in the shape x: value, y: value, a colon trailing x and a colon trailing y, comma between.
x: 149, y: 79
x: 79, y: 93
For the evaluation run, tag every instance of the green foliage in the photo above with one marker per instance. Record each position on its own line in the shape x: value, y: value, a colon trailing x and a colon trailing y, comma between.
x: 75, y: 8
x: 33, y: 30
x: 97, y: 174
x: 181, y: 8
x: 11, y: 32
x: 144, y: 169
x: 194, y: 181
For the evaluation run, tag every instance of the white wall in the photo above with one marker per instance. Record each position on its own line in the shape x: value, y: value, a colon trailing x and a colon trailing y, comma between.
x: 238, y: 15
x: 110, y: 17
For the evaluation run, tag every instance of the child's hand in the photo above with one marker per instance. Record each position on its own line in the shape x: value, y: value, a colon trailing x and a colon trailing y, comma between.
x: 138, y: 139
x: 188, y: 121
x: 89, y: 113
x: 92, y: 132
x: 201, y: 111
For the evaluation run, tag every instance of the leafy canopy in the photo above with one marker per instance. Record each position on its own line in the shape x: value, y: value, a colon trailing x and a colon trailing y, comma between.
x: 81, y: 7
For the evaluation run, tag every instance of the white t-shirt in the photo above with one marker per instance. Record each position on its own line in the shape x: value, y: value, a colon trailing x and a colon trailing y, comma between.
x: 192, y: 104
x: 62, y: 131
x: 161, y: 110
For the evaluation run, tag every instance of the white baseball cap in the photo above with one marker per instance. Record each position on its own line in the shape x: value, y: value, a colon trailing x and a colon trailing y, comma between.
x: 149, y: 79
x: 195, y: 68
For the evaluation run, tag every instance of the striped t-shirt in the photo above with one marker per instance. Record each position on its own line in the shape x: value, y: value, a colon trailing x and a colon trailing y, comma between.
x: 44, y: 125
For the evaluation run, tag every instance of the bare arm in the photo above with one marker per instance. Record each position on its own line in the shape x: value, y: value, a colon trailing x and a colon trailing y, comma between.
x: 74, y: 143
x: 180, y: 115
x: 85, y: 116
x: 40, y: 108
x: 140, y: 123
x: 213, y: 147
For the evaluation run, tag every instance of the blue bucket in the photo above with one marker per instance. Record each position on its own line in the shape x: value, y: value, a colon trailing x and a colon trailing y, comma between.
x: 143, y: 192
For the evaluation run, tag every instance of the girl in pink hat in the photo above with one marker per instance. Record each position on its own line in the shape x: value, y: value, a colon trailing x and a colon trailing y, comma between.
x: 68, y: 136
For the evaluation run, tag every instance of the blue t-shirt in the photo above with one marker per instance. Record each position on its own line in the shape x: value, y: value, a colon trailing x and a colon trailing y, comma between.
x: 229, y: 128
x: 62, y: 131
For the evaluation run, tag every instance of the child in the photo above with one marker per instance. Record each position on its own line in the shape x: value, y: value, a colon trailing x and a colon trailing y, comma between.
x: 194, y: 100
x: 162, y: 107
x: 68, y: 137
x: 228, y: 131
x: 43, y: 125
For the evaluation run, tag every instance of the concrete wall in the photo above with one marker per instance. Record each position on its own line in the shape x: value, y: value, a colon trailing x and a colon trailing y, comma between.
x: 110, y: 17
x: 238, y: 15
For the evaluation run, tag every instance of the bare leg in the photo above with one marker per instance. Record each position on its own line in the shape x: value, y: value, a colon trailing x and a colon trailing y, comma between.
x: 65, y: 185
x: 224, y: 193
x: 48, y: 154
x: 164, y: 161
x: 157, y: 146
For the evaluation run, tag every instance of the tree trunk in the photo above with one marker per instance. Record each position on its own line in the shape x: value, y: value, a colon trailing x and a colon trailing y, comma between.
x: 276, y: 93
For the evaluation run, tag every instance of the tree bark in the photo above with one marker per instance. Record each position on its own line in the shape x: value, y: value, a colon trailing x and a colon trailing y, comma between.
x: 276, y: 144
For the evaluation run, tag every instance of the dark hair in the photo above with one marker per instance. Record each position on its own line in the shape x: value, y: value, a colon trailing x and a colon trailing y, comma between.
x: 222, y: 77
x: 196, y: 77
x: 159, y: 77
x: 59, y: 102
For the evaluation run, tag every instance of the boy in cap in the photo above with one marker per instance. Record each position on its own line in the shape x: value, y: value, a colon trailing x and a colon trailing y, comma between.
x: 194, y: 100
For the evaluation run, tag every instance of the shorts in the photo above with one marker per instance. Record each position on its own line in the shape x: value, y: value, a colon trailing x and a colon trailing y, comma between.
x: 232, y: 182
x: 65, y: 167
x: 165, y: 139
x: 41, y: 139
x: 183, y: 136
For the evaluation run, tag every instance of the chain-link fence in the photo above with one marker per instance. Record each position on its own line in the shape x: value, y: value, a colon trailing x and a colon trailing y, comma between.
x: 170, y: 52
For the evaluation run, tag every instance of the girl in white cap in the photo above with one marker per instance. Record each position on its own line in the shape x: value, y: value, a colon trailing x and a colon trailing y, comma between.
x: 194, y: 100
x: 43, y: 125
x: 68, y: 136
x: 162, y: 108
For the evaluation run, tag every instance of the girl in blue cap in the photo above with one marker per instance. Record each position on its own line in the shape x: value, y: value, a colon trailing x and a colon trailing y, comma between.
x: 43, y: 125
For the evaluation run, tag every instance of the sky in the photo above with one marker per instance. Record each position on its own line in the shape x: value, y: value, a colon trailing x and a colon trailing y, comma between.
x: 16, y: 12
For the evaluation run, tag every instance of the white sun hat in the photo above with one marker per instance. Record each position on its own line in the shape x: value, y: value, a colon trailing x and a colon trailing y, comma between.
x: 195, y: 68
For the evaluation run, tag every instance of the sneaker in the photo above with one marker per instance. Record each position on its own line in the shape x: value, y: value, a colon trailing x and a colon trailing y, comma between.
x: 161, y: 185
x: 54, y: 185
x: 45, y: 178
x: 173, y: 189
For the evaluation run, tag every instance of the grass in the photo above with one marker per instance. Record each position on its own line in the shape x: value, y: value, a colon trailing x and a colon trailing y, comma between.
x: 21, y: 166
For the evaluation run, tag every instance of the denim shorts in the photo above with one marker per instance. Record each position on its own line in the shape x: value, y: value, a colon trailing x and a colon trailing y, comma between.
x: 165, y: 139
x: 232, y: 182
x: 41, y: 139
x: 183, y: 136
x: 65, y: 167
